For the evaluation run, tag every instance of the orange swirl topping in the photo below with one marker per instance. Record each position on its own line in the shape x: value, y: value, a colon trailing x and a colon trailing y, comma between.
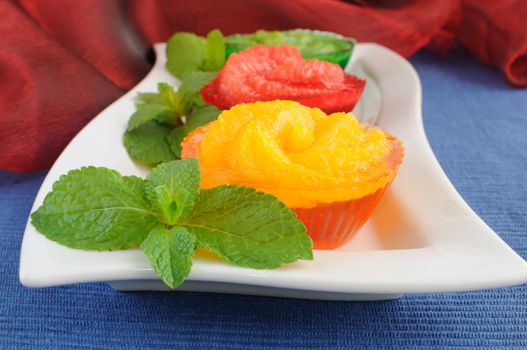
x: 297, y: 153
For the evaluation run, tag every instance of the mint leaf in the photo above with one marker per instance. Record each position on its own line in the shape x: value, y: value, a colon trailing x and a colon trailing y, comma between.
x: 170, y: 253
x: 147, y: 98
x: 175, y: 138
x: 199, y: 116
x: 214, y: 51
x: 195, y: 81
x: 148, y: 143
x: 173, y: 189
x: 188, y: 92
x: 96, y: 209
x: 150, y: 112
x: 185, y: 54
x: 187, y: 95
x: 169, y: 96
x: 248, y: 228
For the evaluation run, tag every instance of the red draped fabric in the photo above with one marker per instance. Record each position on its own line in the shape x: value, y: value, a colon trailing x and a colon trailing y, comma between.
x: 61, y: 62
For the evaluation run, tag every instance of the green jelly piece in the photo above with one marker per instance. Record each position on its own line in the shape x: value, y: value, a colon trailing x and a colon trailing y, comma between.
x: 311, y: 43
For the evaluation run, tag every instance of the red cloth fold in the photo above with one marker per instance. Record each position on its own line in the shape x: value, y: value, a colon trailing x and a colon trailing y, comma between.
x: 61, y: 62
x: 496, y: 33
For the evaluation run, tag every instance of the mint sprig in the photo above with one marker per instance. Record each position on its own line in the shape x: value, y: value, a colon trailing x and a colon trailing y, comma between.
x: 170, y: 252
x: 159, y: 113
x: 149, y: 143
x: 96, y: 209
x: 168, y: 217
x: 162, y: 120
x: 188, y: 53
x: 214, y: 51
x: 198, y: 117
x: 262, y: 234
x: 173, y: 189
x: 147, y: 98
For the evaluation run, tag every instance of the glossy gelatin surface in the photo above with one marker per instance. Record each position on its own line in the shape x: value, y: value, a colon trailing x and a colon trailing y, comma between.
x: 312, y: 44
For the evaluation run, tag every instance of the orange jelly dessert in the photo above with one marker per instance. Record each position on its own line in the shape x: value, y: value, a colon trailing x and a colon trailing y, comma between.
x: 327, y: 168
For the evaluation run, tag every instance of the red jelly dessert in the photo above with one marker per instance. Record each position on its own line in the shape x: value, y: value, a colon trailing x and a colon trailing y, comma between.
x: 266, y: 73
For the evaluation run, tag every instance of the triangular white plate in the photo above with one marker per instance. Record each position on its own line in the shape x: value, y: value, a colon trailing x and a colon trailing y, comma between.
x: 422, y: 238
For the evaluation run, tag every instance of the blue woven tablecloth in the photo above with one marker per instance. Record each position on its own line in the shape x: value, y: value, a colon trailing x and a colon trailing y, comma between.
x: 477, y: 125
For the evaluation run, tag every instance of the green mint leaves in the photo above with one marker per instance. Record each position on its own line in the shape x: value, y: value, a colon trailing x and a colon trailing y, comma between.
x: 162, y: 120
x: 168, y: 217
x: 170, y: 252
x: 149, y: 143
x: 198, y: 117
x: 187, y: 53
x: 97, y: 209
x: 248, y: 228
x: 150, y: 112
x: 173, y: 189
x: 214, y: 51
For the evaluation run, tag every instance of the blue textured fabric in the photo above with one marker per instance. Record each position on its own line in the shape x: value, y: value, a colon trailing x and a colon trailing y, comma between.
x: 477, y: 125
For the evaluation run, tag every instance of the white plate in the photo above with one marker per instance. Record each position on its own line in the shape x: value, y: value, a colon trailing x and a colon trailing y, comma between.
x: 422, y: 238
